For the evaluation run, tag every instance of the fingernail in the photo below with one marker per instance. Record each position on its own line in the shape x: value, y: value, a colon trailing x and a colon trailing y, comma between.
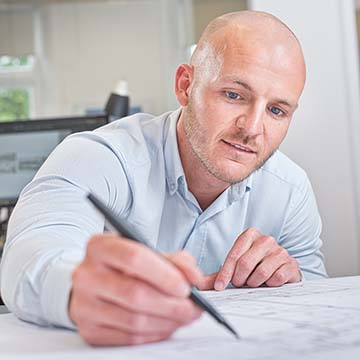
x: 219, y: 285
x: 183, y: 289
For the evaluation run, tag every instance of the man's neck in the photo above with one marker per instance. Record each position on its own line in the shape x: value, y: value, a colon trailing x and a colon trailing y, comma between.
x: 203, y: 185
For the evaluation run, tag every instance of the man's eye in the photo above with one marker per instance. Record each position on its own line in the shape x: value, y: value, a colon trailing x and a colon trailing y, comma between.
x: 233, y: 96
x: 276, y: 111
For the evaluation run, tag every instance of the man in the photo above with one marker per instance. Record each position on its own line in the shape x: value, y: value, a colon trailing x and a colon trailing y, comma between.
x: 206, y: 178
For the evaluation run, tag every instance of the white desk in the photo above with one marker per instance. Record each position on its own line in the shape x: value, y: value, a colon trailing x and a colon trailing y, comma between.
x: 311, y: 320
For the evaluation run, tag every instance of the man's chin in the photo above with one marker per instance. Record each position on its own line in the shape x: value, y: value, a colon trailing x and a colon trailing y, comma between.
x: 232, y: 177
x: 235, y: 172
x: 237, y: 179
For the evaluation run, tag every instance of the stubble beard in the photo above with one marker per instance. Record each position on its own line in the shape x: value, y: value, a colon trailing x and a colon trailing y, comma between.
x: 197, y: 141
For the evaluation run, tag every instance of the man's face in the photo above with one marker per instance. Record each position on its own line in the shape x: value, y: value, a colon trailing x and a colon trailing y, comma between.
x: 240, y: 110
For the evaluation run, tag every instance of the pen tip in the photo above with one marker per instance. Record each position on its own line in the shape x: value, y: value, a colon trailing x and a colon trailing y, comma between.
x: 233, y: 331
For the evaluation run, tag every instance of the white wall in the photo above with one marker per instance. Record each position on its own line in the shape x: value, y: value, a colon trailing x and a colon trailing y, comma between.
x: 84, y: 48
x: 205, y: 10
x: 325, y: 135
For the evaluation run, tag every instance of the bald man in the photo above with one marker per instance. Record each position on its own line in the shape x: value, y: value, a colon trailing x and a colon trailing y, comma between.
x: 204, y: 184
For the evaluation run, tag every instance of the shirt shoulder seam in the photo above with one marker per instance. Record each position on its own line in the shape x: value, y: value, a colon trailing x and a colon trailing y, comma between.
x: 294, y: 185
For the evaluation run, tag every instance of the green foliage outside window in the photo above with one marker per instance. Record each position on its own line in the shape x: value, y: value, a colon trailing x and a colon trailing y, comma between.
x: 15, y: 62
x: 14, y: 104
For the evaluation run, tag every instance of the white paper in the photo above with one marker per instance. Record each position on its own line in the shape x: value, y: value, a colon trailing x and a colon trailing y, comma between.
x: 310, y: 320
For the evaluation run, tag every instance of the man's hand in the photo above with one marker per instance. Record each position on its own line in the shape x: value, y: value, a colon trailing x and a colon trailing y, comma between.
x: 124, y: 293
x: 254, y: 260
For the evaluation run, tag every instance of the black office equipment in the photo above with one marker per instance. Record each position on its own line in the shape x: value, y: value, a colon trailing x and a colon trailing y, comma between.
x: 117, y: 105
x: 24, y: 146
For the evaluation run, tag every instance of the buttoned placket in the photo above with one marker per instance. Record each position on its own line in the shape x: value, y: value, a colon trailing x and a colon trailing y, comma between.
x: 197, y: 239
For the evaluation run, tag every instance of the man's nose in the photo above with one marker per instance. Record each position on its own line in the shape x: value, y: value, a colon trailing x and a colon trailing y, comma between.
x: 252, y: 121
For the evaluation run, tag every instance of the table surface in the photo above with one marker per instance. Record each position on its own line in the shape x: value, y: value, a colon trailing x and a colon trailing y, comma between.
x: 3, y: 309
x: 312, y: 320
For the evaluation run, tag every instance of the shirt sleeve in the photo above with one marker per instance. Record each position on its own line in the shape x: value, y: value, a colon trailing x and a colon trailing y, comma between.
x: 51, y: 224
x: 301, y: 233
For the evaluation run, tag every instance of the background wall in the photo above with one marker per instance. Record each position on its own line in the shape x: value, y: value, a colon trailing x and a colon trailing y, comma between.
x: 85, y: 48
x: 325, y: 135
x: 206, y: 10
x: 82, y: 47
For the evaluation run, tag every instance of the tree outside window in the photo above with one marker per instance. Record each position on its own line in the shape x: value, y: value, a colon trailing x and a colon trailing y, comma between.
x: 15, y: 100
x: 14, y: 104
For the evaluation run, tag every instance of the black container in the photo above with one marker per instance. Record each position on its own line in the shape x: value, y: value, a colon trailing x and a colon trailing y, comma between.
x: 117, y: 105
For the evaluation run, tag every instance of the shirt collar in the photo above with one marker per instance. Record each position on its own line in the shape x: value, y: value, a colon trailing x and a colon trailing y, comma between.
x: 175, y: 175
x: 174, y: 169
x: 238, y: 190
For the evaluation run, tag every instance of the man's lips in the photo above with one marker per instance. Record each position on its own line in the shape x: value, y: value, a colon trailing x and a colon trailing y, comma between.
x: 240, y: 147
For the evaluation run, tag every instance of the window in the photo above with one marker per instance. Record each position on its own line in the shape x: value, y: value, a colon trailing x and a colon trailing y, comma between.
x: 16, y: 63
x: 14, y: 104
x: 16, y: 100
x: 17, y: 73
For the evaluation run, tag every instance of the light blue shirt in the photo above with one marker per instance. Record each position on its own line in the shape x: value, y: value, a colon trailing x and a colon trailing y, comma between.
x: 133, y: 164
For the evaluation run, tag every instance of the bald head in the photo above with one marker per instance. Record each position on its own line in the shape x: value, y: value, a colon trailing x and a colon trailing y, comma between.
x: 240, y: 91
x: 252, y: 33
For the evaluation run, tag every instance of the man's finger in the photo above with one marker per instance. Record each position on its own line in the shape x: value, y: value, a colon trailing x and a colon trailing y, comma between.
x: 208, y: 282
x: 137, y: 260
x: 106, y: 336
x: 187, y: 265
x: 117, y: 317
x: 249, y: 261
x: 284, y: 274
x: 133, y: 294
x: 242, y: 244
x: 267, y: 267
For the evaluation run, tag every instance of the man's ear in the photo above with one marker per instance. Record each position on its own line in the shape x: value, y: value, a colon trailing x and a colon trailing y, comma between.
x: 183, y: 79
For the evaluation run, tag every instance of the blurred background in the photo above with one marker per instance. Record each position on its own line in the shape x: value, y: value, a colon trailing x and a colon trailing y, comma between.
x: 64, y: 58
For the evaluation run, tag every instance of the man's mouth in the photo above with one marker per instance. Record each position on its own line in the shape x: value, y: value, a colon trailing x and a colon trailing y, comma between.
x: 241, y: 147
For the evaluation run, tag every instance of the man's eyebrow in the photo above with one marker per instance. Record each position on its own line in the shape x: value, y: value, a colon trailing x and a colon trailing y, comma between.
x: 248, y: 87
x: 239, y: 82
x: 286, y: 103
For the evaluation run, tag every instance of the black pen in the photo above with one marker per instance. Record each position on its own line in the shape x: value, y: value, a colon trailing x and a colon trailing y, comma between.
x: 194, y: 295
